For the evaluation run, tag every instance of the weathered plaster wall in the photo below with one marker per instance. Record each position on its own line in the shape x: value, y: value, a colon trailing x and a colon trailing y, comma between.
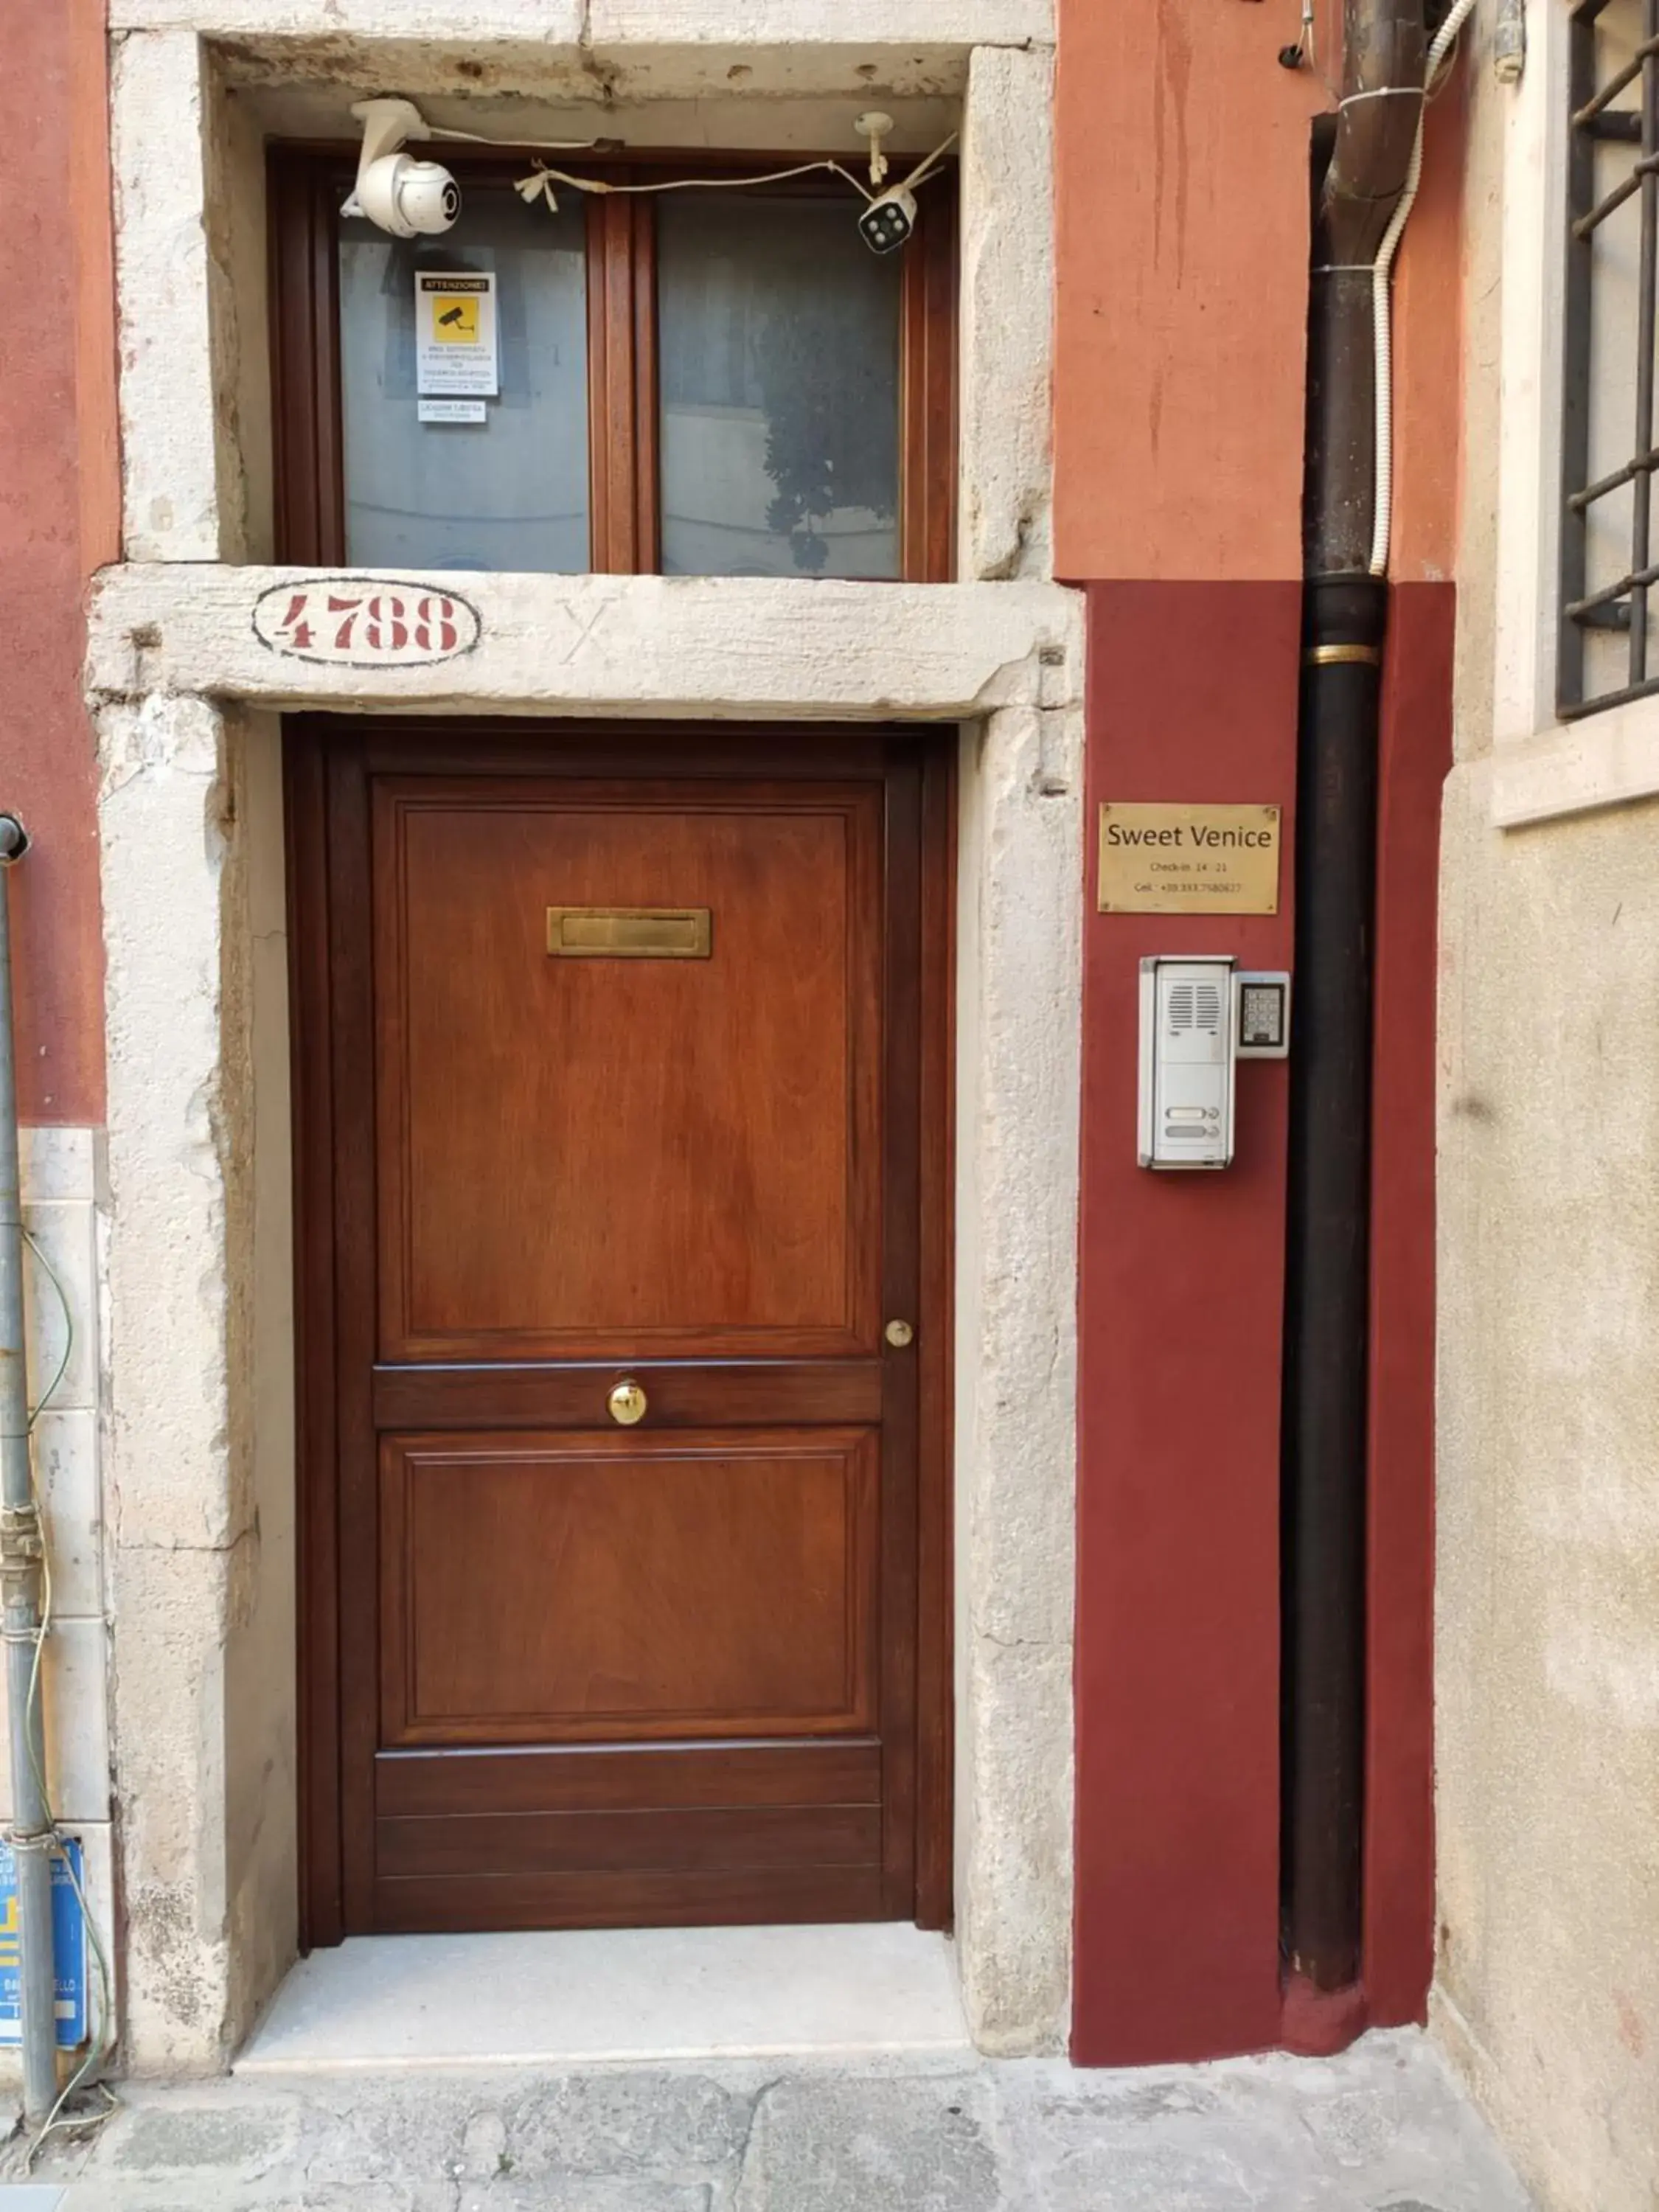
x: 880, y: 27
x: 601, y: 52
x: 1007, y: 255
x: 180, y: 1534
x: 181, y: 495
x: 1018, y: 965
x: 1548, y: 1993
x: 1548, y: 1611
x: 199, y: 1353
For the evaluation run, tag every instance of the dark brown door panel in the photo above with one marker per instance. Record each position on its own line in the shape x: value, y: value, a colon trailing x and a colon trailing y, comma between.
x: 676, y: 1155
x: 612, y: 1063
x: 611, y: 1589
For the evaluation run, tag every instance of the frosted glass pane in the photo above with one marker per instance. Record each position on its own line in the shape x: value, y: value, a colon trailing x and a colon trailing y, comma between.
x: 778, y: 340
x: 510, y: 492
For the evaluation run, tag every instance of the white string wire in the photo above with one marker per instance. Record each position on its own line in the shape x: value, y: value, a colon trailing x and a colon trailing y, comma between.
x: 539, y: 183
x: 537, y: 145
x: 542, y: 179
x: 923, y: 169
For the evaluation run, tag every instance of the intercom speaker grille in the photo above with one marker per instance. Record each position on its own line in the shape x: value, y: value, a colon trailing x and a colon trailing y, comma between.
x: 1195, y: 1006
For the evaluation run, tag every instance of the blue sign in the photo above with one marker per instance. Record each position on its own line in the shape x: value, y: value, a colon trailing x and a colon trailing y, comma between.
x: 69, y: 1943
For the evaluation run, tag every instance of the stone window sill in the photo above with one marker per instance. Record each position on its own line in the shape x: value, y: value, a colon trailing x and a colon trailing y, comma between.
x: 1609, y: 759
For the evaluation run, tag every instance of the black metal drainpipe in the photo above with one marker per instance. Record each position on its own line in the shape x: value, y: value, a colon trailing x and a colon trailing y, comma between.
x: 1326, y: 1314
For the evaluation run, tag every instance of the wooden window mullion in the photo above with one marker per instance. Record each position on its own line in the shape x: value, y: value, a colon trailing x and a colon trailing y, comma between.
x: 331, y: 397
x: 308, y: 517
x: 927, y: 404
x: 615, y: 360
x: 647, y: 489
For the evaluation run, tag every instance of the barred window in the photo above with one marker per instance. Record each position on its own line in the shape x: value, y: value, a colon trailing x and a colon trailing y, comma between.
x: 1607, y: 651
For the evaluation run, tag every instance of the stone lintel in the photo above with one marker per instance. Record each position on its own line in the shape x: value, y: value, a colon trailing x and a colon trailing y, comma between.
x: 737, y: 647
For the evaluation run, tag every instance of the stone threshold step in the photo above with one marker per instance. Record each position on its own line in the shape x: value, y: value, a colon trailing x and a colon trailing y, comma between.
x: 603, y: 1995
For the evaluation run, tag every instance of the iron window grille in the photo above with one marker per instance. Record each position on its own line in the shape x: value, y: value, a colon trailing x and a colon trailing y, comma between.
x: 1608, y: 572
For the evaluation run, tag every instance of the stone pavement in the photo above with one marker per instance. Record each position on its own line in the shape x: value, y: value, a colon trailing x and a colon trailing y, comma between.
x: 1383, y: 2129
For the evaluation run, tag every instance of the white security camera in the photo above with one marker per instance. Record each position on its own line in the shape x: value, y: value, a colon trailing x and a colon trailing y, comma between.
x: 408, y: 198
x: 887, y: 222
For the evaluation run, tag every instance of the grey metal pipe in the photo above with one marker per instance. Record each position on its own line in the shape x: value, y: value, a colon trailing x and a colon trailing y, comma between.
x: 22, y: 1561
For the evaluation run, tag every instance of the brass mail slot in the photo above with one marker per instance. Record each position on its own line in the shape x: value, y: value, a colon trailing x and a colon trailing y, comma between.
x: 629, y: 932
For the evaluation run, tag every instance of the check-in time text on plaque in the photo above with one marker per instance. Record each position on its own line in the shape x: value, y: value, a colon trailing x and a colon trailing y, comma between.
x: 1189, y: 859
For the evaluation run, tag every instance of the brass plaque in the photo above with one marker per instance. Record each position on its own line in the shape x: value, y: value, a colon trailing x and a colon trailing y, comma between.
x: 1189, y: 859
x: 629, y: 932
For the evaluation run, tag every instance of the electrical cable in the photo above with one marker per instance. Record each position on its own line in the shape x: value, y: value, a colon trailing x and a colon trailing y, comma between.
x: 923, y: 169
x: 539, y: 183
x: 542, y: 179
x: 1439, y: 59
x: 101, y: 2044
x: 537, y: 145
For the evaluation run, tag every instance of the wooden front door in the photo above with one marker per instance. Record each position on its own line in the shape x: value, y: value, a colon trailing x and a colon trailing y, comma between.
x: 622, y: 1130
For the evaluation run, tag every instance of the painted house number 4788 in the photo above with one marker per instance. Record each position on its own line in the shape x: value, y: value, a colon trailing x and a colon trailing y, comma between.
x: 386, y: 619
x: 363, y: 622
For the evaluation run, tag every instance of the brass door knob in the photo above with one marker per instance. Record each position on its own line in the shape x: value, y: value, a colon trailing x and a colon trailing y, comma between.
x: 899, y: 1334
x: 627, y: 1403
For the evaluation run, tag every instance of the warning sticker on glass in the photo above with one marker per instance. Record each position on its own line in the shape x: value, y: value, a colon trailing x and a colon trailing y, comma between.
x: 455, y: 350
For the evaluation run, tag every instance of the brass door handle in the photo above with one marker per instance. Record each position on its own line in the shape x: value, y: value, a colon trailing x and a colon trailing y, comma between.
x: 627, y: 1403
x: 899, y: 1334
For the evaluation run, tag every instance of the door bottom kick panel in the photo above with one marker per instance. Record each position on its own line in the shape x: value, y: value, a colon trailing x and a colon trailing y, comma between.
x: 745, y: 1897
x: 704, y: 1840
x: 651, y: 1776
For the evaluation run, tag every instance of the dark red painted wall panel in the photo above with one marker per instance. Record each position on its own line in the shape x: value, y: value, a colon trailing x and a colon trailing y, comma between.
x: 1192, y: 696
x: 1416, y: 755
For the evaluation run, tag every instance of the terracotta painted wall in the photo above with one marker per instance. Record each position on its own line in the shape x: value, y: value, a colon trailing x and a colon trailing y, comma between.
x: 59, y: 519
x: 1182, y: 178
x: 1182, y: 245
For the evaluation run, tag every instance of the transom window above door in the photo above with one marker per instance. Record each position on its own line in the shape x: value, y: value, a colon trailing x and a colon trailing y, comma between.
x: 718, y: 382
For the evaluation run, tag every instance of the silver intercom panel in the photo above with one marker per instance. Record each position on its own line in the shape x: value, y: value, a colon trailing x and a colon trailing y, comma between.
x: 1199, y: 1015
